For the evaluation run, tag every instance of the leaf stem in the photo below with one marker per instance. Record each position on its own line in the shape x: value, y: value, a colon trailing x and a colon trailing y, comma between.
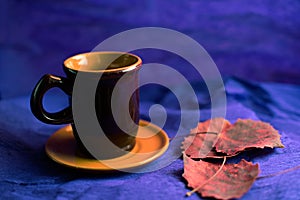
x: 280, y: 172
x: 201, y: 185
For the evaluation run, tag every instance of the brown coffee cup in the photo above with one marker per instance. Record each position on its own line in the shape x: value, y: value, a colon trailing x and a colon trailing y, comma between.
x: 93, y: 64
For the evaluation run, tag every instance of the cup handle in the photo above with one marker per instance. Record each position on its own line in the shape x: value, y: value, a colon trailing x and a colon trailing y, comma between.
x: 47, y: 82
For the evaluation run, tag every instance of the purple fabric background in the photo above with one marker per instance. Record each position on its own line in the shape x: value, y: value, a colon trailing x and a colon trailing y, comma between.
x: 252, y: 40
x: 249, y: 39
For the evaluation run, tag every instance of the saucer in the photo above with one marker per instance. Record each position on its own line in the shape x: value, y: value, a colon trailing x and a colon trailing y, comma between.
x: 151, y: 143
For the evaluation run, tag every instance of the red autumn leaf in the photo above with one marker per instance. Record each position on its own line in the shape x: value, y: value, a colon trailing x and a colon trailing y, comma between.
x: 202, y: 139
x: 200, y: 145
x: 231, y: 181
x: 244, y: 134
x: 215, y: 125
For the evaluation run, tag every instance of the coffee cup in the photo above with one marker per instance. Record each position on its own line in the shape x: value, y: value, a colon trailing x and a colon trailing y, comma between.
x: 110, y: 67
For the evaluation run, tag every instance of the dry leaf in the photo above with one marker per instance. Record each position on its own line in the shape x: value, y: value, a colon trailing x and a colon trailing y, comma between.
x: 224, y: 181
x: 245, y: 134
x: 215, y: 125
x: 200, y: 145
x: 202, y: 139
x: 232, y: 181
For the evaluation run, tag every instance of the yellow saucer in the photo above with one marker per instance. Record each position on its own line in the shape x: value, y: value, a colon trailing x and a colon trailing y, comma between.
x: 61, y: 147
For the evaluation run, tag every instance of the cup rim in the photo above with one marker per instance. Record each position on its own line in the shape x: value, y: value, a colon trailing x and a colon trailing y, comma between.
x: 135, y: 65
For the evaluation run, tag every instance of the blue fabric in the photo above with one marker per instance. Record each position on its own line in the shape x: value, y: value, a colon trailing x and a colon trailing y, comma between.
x: 27, y: 173
x: 255, y: 39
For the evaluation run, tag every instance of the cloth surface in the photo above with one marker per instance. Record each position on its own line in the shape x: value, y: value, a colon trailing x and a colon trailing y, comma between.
x: 255, y: 39
x: 27, y: 173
